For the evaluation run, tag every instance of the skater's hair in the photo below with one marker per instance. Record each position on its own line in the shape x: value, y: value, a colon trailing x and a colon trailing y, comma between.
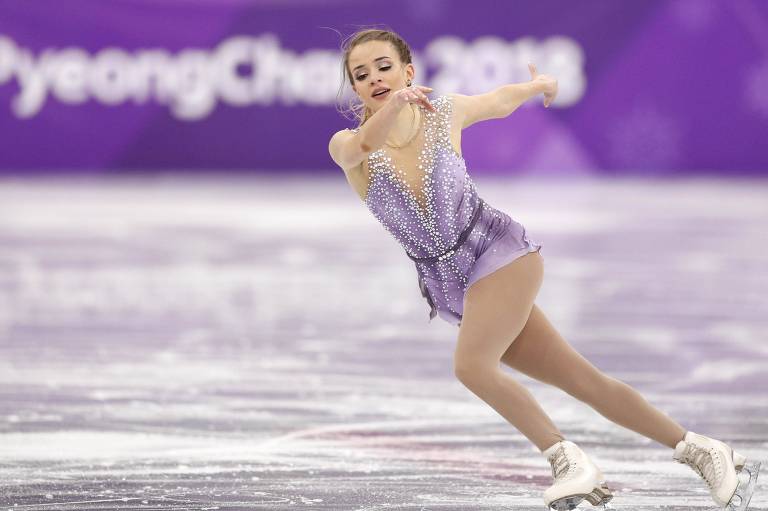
x: 361, y: 112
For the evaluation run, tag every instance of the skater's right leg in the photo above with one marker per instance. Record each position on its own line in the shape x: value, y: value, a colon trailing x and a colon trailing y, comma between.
x: 540, y: 352
x: 495, y: 309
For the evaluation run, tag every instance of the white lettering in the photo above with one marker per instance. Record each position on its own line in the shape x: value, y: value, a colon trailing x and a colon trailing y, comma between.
x: 69, y: 81
x: 109, y: 77
x: 244, y: 70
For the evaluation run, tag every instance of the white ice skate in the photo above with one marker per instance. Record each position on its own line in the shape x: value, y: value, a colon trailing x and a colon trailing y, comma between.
x: 576, y: 478
x: 731, y: 480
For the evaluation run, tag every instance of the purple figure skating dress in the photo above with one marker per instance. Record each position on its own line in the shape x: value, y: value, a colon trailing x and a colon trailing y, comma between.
x: 425, y: 198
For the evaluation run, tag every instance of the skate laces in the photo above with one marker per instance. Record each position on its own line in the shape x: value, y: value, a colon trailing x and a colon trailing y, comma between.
x: 561, y: 465
x: 704, y: 462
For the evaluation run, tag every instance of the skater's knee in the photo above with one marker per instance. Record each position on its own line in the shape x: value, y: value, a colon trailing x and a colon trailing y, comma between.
x: 473, y: 371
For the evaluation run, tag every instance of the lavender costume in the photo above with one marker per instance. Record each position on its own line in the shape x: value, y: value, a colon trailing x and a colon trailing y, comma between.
x: 425, y: 198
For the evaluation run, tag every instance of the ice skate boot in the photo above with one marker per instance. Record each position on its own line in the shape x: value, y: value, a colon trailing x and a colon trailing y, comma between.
x: 731, y: 480
x: 576, y: 478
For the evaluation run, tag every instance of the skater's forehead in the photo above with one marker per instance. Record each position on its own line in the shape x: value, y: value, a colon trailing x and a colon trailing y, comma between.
x: 370, y: 52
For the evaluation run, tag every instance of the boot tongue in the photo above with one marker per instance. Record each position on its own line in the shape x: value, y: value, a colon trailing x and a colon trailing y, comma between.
x: 547, y: 453
x: 679, y: 448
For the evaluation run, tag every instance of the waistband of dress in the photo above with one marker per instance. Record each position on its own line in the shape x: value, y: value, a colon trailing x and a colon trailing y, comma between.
x: 462, y: 238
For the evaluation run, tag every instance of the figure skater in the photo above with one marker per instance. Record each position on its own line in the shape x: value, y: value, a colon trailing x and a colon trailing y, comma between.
x: 478, y: 269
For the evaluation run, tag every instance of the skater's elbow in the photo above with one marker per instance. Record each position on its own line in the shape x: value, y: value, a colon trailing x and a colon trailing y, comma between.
x: 348, y: 149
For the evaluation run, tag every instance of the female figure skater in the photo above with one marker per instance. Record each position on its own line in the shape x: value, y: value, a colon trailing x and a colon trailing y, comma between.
x: 477, y: 269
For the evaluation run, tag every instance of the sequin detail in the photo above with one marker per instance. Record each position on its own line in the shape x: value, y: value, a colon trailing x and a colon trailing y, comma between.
x: 423, y: 195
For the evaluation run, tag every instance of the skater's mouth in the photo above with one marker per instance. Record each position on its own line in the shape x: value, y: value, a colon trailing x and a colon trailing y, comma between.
x: 380, y: 93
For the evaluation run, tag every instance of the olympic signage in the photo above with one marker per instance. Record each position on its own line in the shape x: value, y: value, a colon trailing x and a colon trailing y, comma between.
x: 245, y: 71
x: 644, y: 87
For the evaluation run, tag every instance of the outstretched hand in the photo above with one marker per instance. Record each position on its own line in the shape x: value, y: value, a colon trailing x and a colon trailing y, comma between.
x: 548, y: 84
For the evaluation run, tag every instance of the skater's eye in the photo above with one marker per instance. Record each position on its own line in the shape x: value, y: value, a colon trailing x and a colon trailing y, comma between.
x: 362, y: 76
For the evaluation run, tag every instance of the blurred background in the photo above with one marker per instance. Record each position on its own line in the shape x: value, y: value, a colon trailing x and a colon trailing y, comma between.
x: 197, y: 311
x: 653, y: 87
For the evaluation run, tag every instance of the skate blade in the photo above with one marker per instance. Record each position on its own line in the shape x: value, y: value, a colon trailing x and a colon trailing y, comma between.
x: 566, y: 503
x: 600, y: 495
x: 746, y: 487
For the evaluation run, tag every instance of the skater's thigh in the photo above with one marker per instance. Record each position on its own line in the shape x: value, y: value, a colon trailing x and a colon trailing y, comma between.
x: 496, y: 308
x: 540, y: 352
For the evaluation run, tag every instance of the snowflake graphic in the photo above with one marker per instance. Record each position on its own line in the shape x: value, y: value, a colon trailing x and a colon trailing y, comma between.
x: 694, y: 15
x: 645, y: 139
x: 755, y: 85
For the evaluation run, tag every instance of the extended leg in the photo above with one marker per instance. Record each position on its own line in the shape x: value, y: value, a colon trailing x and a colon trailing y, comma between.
x: 541, y: 353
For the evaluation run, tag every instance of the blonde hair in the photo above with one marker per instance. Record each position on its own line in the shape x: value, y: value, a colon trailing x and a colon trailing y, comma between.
x: 359, y: 110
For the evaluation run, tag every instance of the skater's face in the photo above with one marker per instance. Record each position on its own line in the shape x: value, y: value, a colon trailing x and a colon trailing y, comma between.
x: 376, y: 65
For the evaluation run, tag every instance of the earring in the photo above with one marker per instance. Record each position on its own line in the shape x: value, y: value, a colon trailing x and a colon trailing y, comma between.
x: 408, y: 83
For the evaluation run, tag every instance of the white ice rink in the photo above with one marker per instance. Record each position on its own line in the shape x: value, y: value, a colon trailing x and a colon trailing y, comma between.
x: 227, y: 342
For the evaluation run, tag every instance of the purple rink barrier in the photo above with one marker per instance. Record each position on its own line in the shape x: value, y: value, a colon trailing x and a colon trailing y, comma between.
x: 653, y: 87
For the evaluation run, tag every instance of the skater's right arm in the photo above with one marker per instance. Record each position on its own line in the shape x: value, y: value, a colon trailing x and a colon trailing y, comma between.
x: 348, y: 149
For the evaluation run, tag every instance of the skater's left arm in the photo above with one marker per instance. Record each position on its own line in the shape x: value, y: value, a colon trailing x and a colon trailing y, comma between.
x: 504, y: 100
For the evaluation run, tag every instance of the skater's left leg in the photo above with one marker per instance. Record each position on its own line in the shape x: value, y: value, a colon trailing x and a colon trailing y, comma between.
x: 541, y: 352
